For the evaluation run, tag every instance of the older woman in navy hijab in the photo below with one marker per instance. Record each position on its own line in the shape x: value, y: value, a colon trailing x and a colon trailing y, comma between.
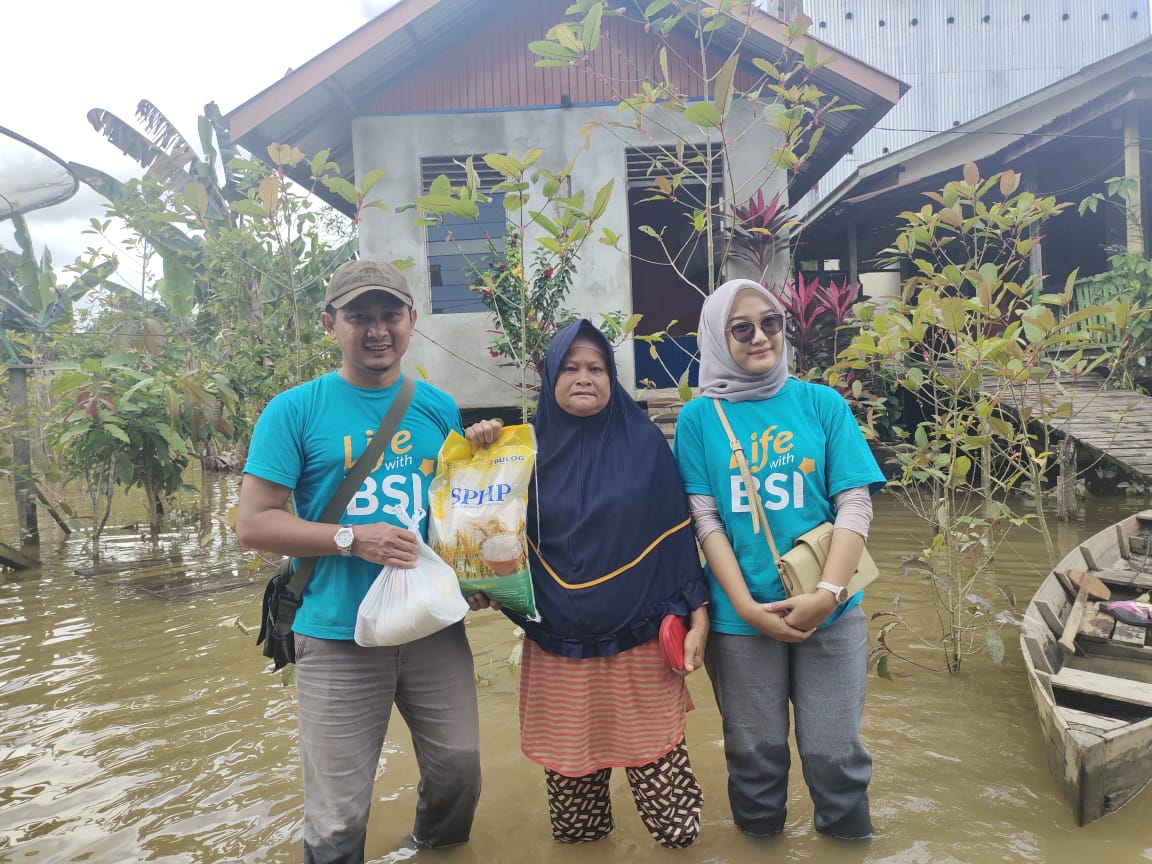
x: 612, y: 555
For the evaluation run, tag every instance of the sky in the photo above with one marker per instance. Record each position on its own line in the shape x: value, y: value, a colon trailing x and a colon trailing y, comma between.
x: 62, y: 58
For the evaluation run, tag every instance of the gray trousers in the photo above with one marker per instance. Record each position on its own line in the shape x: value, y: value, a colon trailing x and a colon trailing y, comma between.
x: 345, y: 695
x: 753, y: 679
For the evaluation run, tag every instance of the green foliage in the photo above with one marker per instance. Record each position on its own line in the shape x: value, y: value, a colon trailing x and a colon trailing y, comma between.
x: 527, y: 307
x: 537, y: 293
x: 974, y: 340
x: 30, y: 299
x: 233, y: 262
x: 133, y: 419
x: 240, y: 281
x: 1120, y: 304
x: 510, y: 292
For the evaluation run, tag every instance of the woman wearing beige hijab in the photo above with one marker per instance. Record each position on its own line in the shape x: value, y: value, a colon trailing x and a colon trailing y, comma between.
x: 810, y: 464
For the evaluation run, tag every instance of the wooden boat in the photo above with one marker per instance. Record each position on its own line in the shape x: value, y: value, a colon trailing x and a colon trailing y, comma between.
x: 1094, y: 701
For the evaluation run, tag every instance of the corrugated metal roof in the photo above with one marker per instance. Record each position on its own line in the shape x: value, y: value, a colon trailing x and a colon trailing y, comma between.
x: 965, y: 58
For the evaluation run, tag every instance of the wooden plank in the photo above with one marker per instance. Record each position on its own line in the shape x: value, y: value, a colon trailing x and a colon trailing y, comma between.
x: 1065, y: 583
x: 1126, y: 578
x: 1117, y: 650
x: 1089, y: 556
x: 1128, y: 634
x: 1037, y: 655
x: 1092, y: 722
x: 1097, y: 625
x: 15, y: 559
x: 1118, y: 689
x: 1089, y: 587
x: 1052, y: 616
x: 1122, y: 542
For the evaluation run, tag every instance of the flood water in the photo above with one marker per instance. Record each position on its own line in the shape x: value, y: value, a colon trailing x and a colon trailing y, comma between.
x: 137, y: 723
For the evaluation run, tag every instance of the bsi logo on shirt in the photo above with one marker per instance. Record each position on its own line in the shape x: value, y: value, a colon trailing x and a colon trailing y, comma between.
x: 378, y: 498
x: 776, y: 492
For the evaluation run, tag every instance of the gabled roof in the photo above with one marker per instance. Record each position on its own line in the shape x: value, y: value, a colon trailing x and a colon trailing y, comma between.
x: 313, y: 107
x: 1001, y: 136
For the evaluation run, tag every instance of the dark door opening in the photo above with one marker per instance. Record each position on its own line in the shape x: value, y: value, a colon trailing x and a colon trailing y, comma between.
x: 668, y: 294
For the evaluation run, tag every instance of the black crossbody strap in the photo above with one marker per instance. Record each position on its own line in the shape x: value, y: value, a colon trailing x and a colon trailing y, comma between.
x: 353, y: 479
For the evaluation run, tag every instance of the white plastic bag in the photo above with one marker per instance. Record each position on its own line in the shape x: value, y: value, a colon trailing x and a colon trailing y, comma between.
x: 406, y: 605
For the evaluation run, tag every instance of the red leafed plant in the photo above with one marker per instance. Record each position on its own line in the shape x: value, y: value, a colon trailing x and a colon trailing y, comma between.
x: 756, y: 227
x: 816, y: 313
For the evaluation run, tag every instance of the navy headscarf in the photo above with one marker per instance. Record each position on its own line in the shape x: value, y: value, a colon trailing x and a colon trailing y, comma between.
x: 613, y: 551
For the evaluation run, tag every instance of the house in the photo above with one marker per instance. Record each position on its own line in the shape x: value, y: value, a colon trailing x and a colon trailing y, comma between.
x: 430, y: 82
x: 1067, y: 139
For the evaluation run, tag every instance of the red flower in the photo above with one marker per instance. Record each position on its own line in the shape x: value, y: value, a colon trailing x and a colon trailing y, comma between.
x: 493, y: 352
x: 548, y: 273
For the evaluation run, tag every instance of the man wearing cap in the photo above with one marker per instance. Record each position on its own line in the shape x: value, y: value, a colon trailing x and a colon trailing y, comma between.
x: 304, y: 442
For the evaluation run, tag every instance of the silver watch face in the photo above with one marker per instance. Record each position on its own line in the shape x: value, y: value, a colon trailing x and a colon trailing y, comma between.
x: 344, y: 537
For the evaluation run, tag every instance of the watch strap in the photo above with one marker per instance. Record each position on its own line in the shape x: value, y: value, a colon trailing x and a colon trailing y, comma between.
x: 836, y: 590
x: 345, y: 551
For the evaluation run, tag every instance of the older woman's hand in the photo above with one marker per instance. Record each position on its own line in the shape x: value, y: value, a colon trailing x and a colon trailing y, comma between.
x: 480, y: 601
x: 694, y: 641
x: 484, y: 433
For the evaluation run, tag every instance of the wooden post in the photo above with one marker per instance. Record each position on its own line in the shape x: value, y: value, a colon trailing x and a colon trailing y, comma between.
x: 1036, y: 255
x: 853, y: 255
x: 22, y: 456
x: 1066, y: 478
x: 1135, y: 199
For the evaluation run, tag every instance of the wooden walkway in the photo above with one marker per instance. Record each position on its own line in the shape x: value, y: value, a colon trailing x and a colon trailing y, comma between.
x: 1115, y: 424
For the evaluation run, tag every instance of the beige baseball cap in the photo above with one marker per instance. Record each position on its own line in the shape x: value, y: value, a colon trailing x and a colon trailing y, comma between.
x: 355, y: 278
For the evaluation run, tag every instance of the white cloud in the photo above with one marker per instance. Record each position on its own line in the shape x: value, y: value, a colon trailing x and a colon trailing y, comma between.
x: 64, y: 57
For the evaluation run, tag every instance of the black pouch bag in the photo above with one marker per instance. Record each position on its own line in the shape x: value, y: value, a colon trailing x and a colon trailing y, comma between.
x: 276, y: 617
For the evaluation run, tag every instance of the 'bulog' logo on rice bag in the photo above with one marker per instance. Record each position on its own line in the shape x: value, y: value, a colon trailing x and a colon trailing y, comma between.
x: 478, y: 501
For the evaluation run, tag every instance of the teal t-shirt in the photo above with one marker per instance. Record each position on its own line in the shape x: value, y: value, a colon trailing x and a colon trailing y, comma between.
x: 309, y: 437
x: 803, y: 447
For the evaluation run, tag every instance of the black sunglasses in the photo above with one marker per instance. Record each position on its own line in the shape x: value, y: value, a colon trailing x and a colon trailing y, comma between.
x: 745, y: 331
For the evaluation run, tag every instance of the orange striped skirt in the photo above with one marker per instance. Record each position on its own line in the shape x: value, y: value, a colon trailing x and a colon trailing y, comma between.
x: 579, y: 716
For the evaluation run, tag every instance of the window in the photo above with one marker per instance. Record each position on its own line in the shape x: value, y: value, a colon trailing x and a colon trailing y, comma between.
x: 457, y: 245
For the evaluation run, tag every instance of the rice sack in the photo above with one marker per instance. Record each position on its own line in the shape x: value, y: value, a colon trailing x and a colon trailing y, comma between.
x: 478, y: 501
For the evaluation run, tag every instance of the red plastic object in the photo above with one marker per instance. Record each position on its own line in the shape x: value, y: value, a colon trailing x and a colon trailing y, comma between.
x: 672, y: 633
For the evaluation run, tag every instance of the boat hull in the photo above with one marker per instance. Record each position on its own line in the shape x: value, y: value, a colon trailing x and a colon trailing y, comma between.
x: 1094, y: 705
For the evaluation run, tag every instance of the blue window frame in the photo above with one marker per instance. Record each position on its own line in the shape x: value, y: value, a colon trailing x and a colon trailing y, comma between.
x: 457, y: 246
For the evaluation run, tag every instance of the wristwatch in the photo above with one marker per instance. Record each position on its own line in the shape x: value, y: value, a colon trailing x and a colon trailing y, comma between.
x: 344, y: 540
x: 838, y: 591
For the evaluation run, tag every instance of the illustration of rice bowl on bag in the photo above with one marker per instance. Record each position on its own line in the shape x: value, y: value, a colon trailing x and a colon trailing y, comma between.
x: 478, y: 501
x: 503, y: 553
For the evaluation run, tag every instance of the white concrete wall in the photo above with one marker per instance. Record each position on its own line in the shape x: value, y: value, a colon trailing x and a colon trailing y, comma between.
x: 453, y: 349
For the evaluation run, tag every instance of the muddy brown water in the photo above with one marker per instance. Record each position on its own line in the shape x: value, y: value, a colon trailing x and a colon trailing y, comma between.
x: 137, y: 723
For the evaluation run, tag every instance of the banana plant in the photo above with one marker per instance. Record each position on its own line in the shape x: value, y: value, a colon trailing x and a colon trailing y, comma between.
x: 166, y: 155
x: 30, y: 299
